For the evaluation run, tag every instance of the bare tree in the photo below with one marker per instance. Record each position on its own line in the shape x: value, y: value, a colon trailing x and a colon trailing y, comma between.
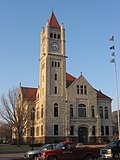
x: 14, y: 113
x: 5, y: 133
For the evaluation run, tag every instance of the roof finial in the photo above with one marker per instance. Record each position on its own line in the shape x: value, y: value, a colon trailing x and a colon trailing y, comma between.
x: 52, y: 10
x: 20, y: 84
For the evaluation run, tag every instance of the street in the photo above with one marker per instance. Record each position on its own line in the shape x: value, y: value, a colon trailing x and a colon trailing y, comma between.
x: 12, y: 156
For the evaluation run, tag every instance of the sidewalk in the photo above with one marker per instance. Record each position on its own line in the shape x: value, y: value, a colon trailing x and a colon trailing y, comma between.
x: 11, y: 155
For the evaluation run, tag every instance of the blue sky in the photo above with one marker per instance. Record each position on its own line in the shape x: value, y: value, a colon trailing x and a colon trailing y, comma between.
x: 88, y: 25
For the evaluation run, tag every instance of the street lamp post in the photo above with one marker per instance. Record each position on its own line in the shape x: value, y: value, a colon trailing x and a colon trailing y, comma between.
x: 32, y: 117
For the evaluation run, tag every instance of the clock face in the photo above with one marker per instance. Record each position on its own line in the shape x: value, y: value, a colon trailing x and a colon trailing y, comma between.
x: 55, y: 46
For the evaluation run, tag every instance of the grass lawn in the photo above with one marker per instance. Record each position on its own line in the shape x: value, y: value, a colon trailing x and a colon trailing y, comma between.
x: 7, y: 148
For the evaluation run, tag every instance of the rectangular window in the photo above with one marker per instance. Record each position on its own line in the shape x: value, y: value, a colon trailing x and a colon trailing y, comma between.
x: 55, y: 64
x: 85, y: 89
x: 72, y: 130
x: 41, y: 130
x: 37, y: 114
x: 52, y: 63
x: 106, y: 114
x: 102, y: 130
x: 107, y: 130
x: 81, y: 112
x: 55, y: 77
x: 93, y: 113
x: 37, y: 131
x: 55, y: 90
x: 71, y: 112
x: 55, y: 129
x: 81, y: 89
x: 58, y: 64
x: 93, y: 130
x: 41, y: 112
x: 101, y: 113
x: 55, y: 111
x: 77, y: 89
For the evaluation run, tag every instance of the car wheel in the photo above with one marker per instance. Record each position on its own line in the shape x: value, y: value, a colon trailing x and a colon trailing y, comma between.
x: 89, y: 157
x: 116, y: 156
x: 35, y: 157
x: 52, y: 158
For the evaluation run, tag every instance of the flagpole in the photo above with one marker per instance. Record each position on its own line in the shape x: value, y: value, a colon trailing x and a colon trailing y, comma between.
x: 117, y: 98
x: 116, y: 79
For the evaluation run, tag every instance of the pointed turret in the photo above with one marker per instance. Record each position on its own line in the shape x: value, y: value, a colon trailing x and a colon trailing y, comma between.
x: 53, y: 22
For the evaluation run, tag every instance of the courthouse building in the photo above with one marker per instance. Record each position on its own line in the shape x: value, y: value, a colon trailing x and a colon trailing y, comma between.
x: 65, y: 107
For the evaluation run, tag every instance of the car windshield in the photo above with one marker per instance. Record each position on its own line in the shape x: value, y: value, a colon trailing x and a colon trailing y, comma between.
x: 58, y: 146
x: 44, y: 147
x: 112, y: 144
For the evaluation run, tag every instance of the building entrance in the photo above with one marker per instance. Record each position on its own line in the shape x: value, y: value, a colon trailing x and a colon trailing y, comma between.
x: 83, y: 135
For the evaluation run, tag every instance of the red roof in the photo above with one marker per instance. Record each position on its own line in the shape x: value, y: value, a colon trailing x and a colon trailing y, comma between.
x: 101, y: 95
x: 69, y: 79
x: 29, y: 93
x: 53, y: 22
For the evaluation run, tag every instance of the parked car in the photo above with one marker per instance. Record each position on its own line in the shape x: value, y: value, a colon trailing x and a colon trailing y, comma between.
x: 68, y: 151
x: 112, y: 150
x: 32, y: 155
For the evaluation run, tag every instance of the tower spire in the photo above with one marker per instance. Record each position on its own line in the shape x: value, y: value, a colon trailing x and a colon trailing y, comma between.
x: 53, y: 21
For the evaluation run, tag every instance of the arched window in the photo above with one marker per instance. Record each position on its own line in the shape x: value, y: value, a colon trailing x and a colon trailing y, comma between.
x: 71, y: 110
x: 55, y: 110
x: 41, y: 130
x: 37, y: 131
x: 81, y: 110
x: 55, y: 64
x: 72, y: 130
x: 106, y: 112
x: 55, y: 77
x: 42, y: 111
x: 58, y: 64
x: 55, y: 89
x: 37, y: 114
x: 101, y: 112
x: 58, y: 36
x: 54, y: 35
x: 92, y: 111
x: 51, y: 35
x: 93, y: 130
x: 102, y: 130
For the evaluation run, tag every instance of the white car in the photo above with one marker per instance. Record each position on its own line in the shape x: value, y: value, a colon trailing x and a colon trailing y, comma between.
x: 32, y: 155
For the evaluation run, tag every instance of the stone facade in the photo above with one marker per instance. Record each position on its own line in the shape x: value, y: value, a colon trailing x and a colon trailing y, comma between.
x: 66, y: 107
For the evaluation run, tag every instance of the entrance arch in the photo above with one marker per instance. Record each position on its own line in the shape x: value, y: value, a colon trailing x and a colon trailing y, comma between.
x: 83, y: 134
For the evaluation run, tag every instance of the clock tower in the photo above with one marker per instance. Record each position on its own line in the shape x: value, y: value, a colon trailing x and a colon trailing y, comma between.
x: 52, y: 84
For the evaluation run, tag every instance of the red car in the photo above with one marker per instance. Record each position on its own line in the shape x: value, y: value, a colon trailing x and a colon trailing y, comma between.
x: 68, y: 151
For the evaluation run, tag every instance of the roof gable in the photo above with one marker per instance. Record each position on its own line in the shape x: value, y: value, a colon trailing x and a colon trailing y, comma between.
x: 102, y: 95
x: 53, y: 22
x: 29, y: 93
x: 69, y: 79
